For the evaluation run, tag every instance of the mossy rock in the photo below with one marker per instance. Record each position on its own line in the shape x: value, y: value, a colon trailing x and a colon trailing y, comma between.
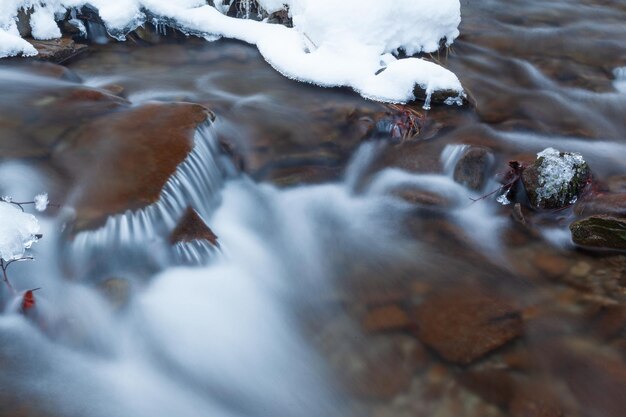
x: 600, y: 232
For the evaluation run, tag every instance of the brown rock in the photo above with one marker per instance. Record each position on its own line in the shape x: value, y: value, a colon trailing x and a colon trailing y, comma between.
x: 536, y: 400
x: 600, y: 232
x: 191, y: 227
x: 389, y: 317
x: 609, y: 204
x: 494, y: 386
x: 463, y: 326
x: 552, y: 265
x: 121, y: 161
x: 57, y: 50
x: 473, y: 168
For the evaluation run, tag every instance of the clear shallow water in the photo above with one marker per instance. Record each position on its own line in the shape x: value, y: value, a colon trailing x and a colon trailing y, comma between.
x: 274, y: 324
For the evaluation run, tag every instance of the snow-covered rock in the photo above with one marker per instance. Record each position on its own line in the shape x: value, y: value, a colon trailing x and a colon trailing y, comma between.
x: 18, y: 231
x: 556, y: 179
x: 333, y: 43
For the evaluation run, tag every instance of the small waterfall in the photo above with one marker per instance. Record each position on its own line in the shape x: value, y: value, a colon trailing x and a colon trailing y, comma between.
x: 196, y: 252
x: 140, y: 237
x: 450, y: 157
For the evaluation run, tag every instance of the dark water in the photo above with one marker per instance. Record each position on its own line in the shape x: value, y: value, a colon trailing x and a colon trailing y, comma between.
x: 337, y: 249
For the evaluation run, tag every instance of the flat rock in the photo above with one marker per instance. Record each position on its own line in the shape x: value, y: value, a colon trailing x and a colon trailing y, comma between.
x: 600, y: 232
x: 191, y: 227
x: 57, y: 50
x: 464, y: 325
x: 122, y: 160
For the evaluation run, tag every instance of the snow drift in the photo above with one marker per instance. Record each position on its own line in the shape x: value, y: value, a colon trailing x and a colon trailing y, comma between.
x: 352, y: 43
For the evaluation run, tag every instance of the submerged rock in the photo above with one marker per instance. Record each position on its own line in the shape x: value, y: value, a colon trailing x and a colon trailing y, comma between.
x: 556, y: 179
x: 463, y: 326
x: 600, y: 232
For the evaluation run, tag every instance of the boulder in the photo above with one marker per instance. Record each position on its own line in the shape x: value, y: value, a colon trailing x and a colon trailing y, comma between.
x: 600, y: 232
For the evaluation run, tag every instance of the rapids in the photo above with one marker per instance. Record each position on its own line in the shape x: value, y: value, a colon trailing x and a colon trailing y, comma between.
x: 320, y: 226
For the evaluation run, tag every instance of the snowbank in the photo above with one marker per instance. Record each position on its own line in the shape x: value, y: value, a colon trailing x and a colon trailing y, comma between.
x: 18, y: 231
x: 333, y: 43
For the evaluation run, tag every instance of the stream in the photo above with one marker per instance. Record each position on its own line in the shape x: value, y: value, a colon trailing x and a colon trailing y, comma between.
x: 343, y: 254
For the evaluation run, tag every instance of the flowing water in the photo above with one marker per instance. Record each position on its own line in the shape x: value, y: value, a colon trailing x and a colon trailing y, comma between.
x: 320, y: 226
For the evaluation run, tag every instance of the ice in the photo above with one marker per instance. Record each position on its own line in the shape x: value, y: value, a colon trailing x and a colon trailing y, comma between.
x: 18, y: 231
x: 351, y: 43
x: 556, y: 172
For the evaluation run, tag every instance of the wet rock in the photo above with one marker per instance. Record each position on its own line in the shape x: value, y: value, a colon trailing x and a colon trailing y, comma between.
x: 463, y: 326
x: 494, y: 386
x: 191, y: 227
x: 57, y: 50
x: 121, y: 161
x: 552, y: 265
x: 386, y: 318
x: 439, y: 96
x: 609, y: 204
x: 473, y: 167
x: 556, y: 179
x: 600, y: 232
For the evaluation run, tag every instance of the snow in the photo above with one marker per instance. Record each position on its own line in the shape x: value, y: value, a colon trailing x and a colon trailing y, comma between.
x: 43, y: 24
x: 18, y: 231
x: 348, y: 43
x: 556, y: 172
x: 41, y: 202
x: 11, y: 44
